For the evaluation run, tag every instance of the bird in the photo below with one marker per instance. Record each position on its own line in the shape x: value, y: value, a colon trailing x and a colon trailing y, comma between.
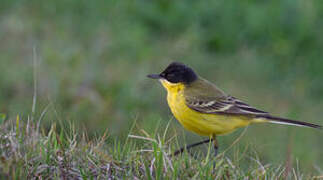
x: 203, y: 108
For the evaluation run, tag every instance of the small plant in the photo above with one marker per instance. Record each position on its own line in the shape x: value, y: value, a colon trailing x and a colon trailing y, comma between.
x: 66, y: 154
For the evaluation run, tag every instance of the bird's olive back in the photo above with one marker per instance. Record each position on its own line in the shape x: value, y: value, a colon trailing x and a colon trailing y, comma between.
x: 179, y: 73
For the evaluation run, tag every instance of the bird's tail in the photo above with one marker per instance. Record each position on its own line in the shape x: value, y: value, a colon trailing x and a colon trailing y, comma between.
x: 278, y: 120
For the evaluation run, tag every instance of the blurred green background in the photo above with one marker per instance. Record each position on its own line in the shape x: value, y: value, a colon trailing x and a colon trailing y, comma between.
x: 92, y: 58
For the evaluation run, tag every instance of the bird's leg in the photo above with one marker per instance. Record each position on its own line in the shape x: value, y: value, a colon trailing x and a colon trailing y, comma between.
x: 215, y: 145
x: 191, y: 146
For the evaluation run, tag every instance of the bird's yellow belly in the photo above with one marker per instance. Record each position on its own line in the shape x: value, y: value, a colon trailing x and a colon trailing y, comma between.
x: 201, y: 123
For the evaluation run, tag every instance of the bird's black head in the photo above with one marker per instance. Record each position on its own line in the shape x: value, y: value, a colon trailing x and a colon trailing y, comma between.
x: 176, y: 73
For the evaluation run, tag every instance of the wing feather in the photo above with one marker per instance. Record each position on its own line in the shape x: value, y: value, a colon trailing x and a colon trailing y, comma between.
x: 223, y: 105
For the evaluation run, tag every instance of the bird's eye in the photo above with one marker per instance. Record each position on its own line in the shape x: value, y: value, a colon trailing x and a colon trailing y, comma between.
x: 170, y: 75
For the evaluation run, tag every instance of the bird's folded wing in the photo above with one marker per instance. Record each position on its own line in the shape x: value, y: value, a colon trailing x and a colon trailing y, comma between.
x: 222, y: 105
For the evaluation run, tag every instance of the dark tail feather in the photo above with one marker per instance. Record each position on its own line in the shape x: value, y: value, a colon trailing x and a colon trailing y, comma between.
x: 279, y: 120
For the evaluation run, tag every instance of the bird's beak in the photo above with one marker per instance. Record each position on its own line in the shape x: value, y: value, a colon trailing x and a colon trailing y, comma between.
x: 154, y: 76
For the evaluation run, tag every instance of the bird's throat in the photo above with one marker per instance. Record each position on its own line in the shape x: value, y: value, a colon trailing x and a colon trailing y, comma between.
x: 172, y: 87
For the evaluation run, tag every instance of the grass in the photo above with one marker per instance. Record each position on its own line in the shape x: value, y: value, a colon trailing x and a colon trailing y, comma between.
x: 89, y: 61
x: 29, y: 152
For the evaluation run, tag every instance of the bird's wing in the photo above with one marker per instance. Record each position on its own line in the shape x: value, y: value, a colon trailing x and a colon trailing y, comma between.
x: 222, y: 105
x: 205, y: 97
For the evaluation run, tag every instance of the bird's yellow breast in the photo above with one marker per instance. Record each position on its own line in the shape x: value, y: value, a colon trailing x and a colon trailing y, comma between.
x: 200, y: 123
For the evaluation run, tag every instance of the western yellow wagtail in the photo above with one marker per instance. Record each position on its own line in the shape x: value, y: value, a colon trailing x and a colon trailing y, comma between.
x: 203, y: 108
